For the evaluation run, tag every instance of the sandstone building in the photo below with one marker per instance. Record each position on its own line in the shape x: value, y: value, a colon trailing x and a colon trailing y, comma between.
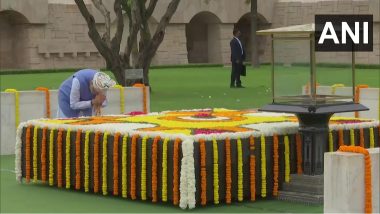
x: 45, y: 34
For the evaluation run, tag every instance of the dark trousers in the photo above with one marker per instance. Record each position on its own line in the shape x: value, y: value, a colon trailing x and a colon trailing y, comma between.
x: 235, y: 75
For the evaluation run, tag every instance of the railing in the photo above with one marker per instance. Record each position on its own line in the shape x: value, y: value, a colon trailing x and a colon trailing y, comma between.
x: 19, y: 106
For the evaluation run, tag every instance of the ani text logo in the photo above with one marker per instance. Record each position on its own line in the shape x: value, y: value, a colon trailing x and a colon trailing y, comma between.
x: 344, y: 33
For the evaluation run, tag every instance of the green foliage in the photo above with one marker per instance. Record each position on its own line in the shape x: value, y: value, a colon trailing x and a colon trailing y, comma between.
x: 126, y: 5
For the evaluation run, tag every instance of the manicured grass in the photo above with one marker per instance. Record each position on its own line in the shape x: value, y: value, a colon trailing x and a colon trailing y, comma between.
x: 38, y: 198
x: 202, y: 87
x: 173, y: 88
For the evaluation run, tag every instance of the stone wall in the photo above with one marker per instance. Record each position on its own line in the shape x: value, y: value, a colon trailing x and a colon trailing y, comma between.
x: 35, y: 11
x: 173, y: 48
x: 13, y: 40
x: 224, y: 42
x: 63, y: 42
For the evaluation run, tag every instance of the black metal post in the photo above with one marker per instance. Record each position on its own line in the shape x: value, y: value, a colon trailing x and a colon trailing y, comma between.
x: 314, y: 130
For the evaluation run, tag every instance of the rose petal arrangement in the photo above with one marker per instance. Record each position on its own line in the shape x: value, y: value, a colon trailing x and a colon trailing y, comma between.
x: 186, y: 157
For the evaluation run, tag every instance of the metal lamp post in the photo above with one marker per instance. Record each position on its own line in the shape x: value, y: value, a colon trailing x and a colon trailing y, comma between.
x: 313, y: 110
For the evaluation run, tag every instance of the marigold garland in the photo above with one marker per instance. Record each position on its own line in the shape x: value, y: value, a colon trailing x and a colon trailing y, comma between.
x: 67, y: 166
x: 252, y: 167
x: 122, y: 100
x: 124, y: 176
x: 287, y: 159
x: 145, y: 107
x: 361, y: 141
x: 334, y: 87
x: 216, y: 170
x: 202, y: 147
x: 307, y: 87
x: 133, y: 167
x: 357, y: 96
x: 228, y: 171
x: 340, y: 137
x: 35, y: 175
x: 275, y: 165
x: 43, y: 155
x: 96, y: 162
x: 47, y: 99
x: 143, y: 168
x: 240, y: 169
x: 104, y: 166
x: 51, y: 157
x: 17, y: 104
x: 331, y: 142
x: 143, y: 88
x: 86, y: 162
x: 215, y: 156
x: 367, y: 173
x: 352, y: 137
x: 27, y: 154
x: 263, y: 168
x: 154, y: 168
x: 299, y: 153
x: 116, y: 164
x: 165, y: 170
x: 77, y: 159
x: 176, y: 171
x: 59, y: 158
x: 371, y: 138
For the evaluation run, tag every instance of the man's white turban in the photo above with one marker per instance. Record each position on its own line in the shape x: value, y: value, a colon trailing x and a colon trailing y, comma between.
x: 103, y: 81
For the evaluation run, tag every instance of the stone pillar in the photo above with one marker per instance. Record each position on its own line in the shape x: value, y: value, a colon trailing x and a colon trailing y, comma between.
x: 172, y: 50
x: 5, y: 44
x: 344, y: 182
x: 225, y: 37
x: 214, y: 53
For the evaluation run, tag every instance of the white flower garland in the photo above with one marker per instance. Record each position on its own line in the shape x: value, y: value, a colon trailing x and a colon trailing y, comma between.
x: 187, y: 180
x: 187, y: 174
x: 18, y: 153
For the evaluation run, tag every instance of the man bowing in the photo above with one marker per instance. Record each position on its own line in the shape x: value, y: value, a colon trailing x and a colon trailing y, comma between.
x: 237, y: 58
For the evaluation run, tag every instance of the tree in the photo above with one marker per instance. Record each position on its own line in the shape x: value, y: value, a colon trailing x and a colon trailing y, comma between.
x: 138, y: 12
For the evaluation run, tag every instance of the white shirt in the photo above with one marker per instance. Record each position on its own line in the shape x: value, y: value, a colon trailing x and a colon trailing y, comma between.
x: 75, y: 102
x: 241, y: 47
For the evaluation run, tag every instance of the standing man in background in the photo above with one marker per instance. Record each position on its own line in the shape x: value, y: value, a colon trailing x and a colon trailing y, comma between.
x: 237, y: 58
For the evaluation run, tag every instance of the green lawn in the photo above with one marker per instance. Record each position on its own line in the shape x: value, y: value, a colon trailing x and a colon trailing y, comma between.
x: 173, y: 88
x: 187, y: 88
x: 39, y: 198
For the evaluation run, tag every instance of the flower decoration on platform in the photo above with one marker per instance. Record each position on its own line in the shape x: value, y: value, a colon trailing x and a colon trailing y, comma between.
x: 198, y: 122
x: 207, y: 131
x: 184, y: 157
x: 203, y: 115
x: 134, y: 113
